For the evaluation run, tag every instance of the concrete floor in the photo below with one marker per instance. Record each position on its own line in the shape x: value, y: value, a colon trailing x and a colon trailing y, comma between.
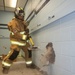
x: 19, y: 68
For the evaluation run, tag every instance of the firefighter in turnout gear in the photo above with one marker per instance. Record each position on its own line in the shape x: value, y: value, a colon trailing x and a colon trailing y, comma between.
x: 20, y: 39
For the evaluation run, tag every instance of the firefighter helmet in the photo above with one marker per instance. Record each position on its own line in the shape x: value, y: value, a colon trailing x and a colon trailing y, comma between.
x: 19, y: 12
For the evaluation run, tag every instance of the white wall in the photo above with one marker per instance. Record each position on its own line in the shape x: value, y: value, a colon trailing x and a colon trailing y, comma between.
x: 30, y: 6
x: 5, y: 17
x: 56, y: 8
x: 62, y: 34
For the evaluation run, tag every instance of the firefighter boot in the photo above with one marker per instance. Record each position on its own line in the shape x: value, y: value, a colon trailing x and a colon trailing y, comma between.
x: 32, y: 66
x: 5, y: 70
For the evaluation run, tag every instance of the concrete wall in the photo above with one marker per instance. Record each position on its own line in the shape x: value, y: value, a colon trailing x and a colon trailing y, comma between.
x: 62, y: 34
x: 5, y: 17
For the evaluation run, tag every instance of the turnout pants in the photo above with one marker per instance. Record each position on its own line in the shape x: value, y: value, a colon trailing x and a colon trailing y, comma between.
x: 13, y: 53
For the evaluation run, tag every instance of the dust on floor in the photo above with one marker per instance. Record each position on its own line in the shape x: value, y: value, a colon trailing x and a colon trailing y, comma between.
x: 19, y: 68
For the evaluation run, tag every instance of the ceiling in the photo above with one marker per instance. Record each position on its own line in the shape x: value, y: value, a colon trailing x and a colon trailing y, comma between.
x: 10, y: 5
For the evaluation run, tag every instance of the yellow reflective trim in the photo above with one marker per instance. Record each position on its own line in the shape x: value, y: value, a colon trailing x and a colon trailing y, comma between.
x: 19, y: 32
x: 24, y: 37
x: 18, y: 43
x: 6, y: 64
x: 22, y: 32
x: 28, y: 62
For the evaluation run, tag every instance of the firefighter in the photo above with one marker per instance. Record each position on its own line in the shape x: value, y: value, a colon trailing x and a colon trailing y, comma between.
x: 19, y: 38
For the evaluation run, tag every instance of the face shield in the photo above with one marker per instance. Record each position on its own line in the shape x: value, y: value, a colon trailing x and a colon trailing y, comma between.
x: 21, y: 13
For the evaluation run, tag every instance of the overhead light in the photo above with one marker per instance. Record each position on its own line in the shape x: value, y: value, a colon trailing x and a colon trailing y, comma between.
x: 13, y: 3
x: 10, y: 3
